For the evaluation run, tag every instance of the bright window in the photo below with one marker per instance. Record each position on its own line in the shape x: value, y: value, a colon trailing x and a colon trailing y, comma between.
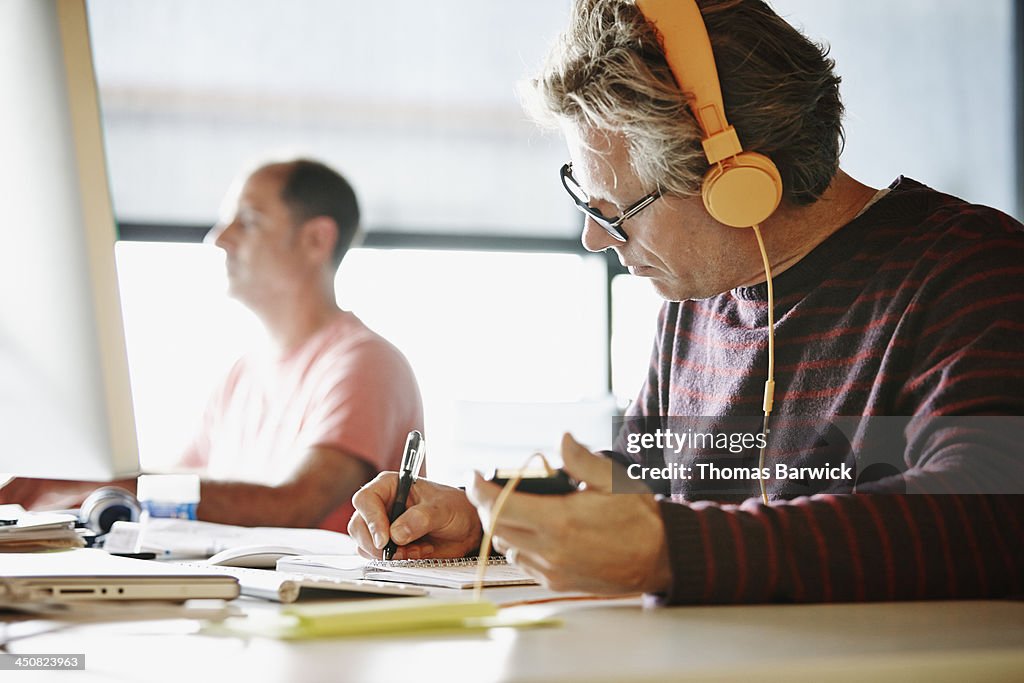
x: 635, y: 307
x: 494, y: 339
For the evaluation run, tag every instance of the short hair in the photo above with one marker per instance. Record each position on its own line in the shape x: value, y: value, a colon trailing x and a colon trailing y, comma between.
x: 310, y: 189
x: 608, y: 72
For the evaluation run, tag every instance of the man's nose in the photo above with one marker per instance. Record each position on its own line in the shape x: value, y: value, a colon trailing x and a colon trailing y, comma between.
x: 595, y: 238
x: 218, y: 234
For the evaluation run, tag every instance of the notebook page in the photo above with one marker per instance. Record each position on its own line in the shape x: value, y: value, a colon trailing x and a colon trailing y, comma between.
x: 458, y: 573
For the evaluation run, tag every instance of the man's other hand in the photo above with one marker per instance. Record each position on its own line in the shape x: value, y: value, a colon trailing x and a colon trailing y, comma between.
x: 592, y: 540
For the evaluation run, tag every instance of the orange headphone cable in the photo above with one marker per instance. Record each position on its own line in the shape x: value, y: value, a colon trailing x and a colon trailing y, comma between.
x: 769, y: 385
x: 499, y: 503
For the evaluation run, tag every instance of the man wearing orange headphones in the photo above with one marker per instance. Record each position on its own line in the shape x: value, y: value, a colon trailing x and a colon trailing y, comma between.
x: 704, y: 145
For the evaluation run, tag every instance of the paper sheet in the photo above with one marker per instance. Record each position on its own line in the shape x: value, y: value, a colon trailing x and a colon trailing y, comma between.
x: 184, y: 538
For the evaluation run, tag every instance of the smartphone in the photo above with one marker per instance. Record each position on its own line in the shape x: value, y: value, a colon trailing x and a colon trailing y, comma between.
x: 536, y: 481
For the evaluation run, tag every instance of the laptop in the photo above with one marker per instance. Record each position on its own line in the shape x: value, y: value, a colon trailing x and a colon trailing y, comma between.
x: 84, y: 574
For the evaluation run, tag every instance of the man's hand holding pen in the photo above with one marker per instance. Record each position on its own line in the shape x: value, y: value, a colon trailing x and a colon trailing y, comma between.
x: 439, y: 521
x: 425, y: 520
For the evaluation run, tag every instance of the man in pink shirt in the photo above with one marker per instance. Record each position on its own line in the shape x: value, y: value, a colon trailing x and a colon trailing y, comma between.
x: 295, y: 428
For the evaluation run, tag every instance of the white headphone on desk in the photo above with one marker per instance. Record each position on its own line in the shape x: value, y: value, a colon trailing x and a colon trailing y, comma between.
x: 107, y: 505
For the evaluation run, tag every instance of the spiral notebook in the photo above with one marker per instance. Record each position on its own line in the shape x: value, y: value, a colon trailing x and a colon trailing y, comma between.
x: 457, y: 573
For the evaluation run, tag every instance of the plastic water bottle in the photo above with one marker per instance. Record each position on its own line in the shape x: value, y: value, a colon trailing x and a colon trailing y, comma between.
x: 168, y: 495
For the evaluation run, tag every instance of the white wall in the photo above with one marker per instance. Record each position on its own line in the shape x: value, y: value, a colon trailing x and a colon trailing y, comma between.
x: 415, y: 102
x: 928, y: 86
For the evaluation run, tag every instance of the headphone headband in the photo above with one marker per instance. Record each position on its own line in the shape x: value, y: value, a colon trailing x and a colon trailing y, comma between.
x: 687, y: 48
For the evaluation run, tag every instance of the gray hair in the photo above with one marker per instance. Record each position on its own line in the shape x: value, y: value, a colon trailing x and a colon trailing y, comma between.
x: 608, y: 72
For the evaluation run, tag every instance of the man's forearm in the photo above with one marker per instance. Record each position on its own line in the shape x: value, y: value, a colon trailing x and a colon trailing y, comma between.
x: 244, y: 504
x: 326, y: 480
x: 50, y: 494
x: 846, y: 548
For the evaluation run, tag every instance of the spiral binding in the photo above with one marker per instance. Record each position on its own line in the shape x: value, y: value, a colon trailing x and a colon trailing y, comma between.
x: 437, y: 563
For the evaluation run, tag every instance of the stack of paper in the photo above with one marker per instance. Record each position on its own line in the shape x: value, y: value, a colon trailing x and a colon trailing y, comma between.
x: 22, y: 531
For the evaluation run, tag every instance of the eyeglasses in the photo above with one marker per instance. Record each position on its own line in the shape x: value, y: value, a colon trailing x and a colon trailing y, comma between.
x: 611, y: 225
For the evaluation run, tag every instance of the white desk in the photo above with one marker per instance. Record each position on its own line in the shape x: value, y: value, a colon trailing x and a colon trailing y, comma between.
x: 599, y: 641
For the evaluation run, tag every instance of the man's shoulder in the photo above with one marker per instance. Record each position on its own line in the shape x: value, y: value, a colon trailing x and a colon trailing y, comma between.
x: 349, y: 341
x: 348, y: 333
x: 926, y: 235
x: 927, y: 210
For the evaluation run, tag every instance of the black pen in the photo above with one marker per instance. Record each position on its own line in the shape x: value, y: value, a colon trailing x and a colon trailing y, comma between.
x: 137, y: 556
x: 412, y: 456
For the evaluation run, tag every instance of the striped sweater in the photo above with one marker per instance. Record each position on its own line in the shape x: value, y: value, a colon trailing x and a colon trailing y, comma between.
x: 915, y: 308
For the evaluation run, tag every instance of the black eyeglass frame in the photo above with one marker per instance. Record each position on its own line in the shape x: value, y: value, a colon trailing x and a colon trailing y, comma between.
x: 613, y: 226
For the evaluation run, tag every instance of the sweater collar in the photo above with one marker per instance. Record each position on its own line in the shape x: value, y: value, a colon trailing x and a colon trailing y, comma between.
x: 827, y: 258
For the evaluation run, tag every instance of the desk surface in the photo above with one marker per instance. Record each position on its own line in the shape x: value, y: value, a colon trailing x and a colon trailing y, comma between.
x: 612, y: 640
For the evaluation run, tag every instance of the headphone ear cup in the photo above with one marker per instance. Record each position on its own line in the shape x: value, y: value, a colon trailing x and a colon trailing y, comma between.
x: 742, y: 191
x: 107, y: 505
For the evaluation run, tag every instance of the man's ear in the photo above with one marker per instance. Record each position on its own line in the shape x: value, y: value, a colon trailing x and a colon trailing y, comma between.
x: 319, y: 235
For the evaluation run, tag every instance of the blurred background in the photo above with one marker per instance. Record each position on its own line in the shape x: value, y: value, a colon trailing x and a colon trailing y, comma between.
x: 471, y: 262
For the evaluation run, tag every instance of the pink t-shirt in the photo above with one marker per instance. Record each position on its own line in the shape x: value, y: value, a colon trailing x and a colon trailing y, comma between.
x: 346, y: 388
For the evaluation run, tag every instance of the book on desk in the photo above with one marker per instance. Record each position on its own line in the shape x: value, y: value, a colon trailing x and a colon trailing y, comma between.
x: 22, y: 531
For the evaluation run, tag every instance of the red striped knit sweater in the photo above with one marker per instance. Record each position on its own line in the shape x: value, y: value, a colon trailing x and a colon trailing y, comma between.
x: 915, y: 308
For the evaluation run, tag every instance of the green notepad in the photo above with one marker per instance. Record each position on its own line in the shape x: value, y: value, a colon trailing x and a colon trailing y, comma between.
x: 387, y: 616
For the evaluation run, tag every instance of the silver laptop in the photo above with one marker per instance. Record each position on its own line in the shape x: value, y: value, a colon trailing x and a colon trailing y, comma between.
x: 86, y: 574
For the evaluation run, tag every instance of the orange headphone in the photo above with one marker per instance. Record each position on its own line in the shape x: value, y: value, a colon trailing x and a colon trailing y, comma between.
x: 741, y: 189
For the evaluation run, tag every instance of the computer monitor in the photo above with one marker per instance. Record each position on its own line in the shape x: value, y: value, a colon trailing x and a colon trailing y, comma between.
x: 65, y: 398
